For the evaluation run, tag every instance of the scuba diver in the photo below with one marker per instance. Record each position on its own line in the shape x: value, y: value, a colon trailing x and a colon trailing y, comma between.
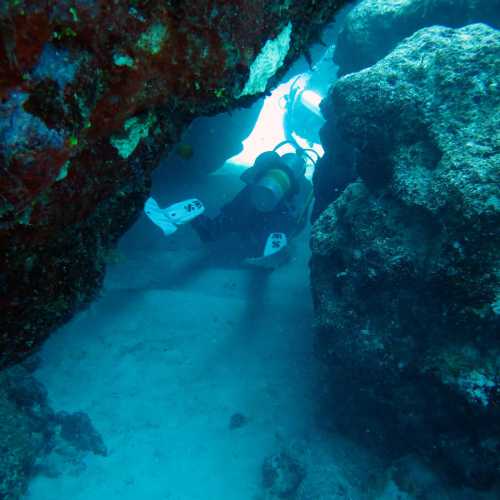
x: 302, y: 116
x: 270, y: 210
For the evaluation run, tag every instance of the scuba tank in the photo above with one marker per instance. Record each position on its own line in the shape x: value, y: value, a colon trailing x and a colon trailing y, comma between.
x: 270, y: 189
x: 274, y: 178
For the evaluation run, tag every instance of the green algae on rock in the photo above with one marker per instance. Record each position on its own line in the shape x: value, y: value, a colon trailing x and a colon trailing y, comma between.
x: 91, y: 95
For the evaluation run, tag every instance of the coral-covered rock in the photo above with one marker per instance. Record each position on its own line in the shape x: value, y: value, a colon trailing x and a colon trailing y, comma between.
x: 32, y: 434
x: 328, y: 182
x: 405, y: 262
x: 91, y: 93
x: 20, y: 444
x: 374, y: 27
x: 33, y: 437
x: 78, y: 431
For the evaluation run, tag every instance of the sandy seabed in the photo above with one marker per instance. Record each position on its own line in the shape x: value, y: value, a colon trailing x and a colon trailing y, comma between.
x: 178, y: 342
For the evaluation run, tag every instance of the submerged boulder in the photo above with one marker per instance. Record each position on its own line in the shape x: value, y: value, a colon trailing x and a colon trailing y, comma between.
x: 282, y: 474
x: 374, y: 27
x: 32, y: 434
x: 405, y: 262
x: 91, y: 93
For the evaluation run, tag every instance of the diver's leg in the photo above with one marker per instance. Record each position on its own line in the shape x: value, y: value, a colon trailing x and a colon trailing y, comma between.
x: 233, y: 218
x: 167, y: 219
x: 212, y: 229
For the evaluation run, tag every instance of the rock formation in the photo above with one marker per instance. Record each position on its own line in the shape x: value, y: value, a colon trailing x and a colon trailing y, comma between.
x: 405, y: 261
x: 91, y: 93
x: 34, y: 438
x: 374, y: 27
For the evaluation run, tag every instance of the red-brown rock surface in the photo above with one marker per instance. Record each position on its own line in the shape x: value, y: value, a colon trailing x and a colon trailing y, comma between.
x: 91, y: 93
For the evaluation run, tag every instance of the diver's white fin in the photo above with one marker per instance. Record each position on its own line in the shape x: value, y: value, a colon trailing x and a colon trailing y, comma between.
x: 275, y: 253
x: 184, y: 211
x: 275, y: 242
x: 159, y: 217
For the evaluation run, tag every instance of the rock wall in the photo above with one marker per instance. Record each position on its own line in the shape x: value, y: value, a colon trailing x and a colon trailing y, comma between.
x: 405, y: 262
x: 91, y: 93
x: 374, y: 27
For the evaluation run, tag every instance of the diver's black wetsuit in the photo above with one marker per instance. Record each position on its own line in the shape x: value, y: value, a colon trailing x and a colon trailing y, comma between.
x: 239, y: 216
